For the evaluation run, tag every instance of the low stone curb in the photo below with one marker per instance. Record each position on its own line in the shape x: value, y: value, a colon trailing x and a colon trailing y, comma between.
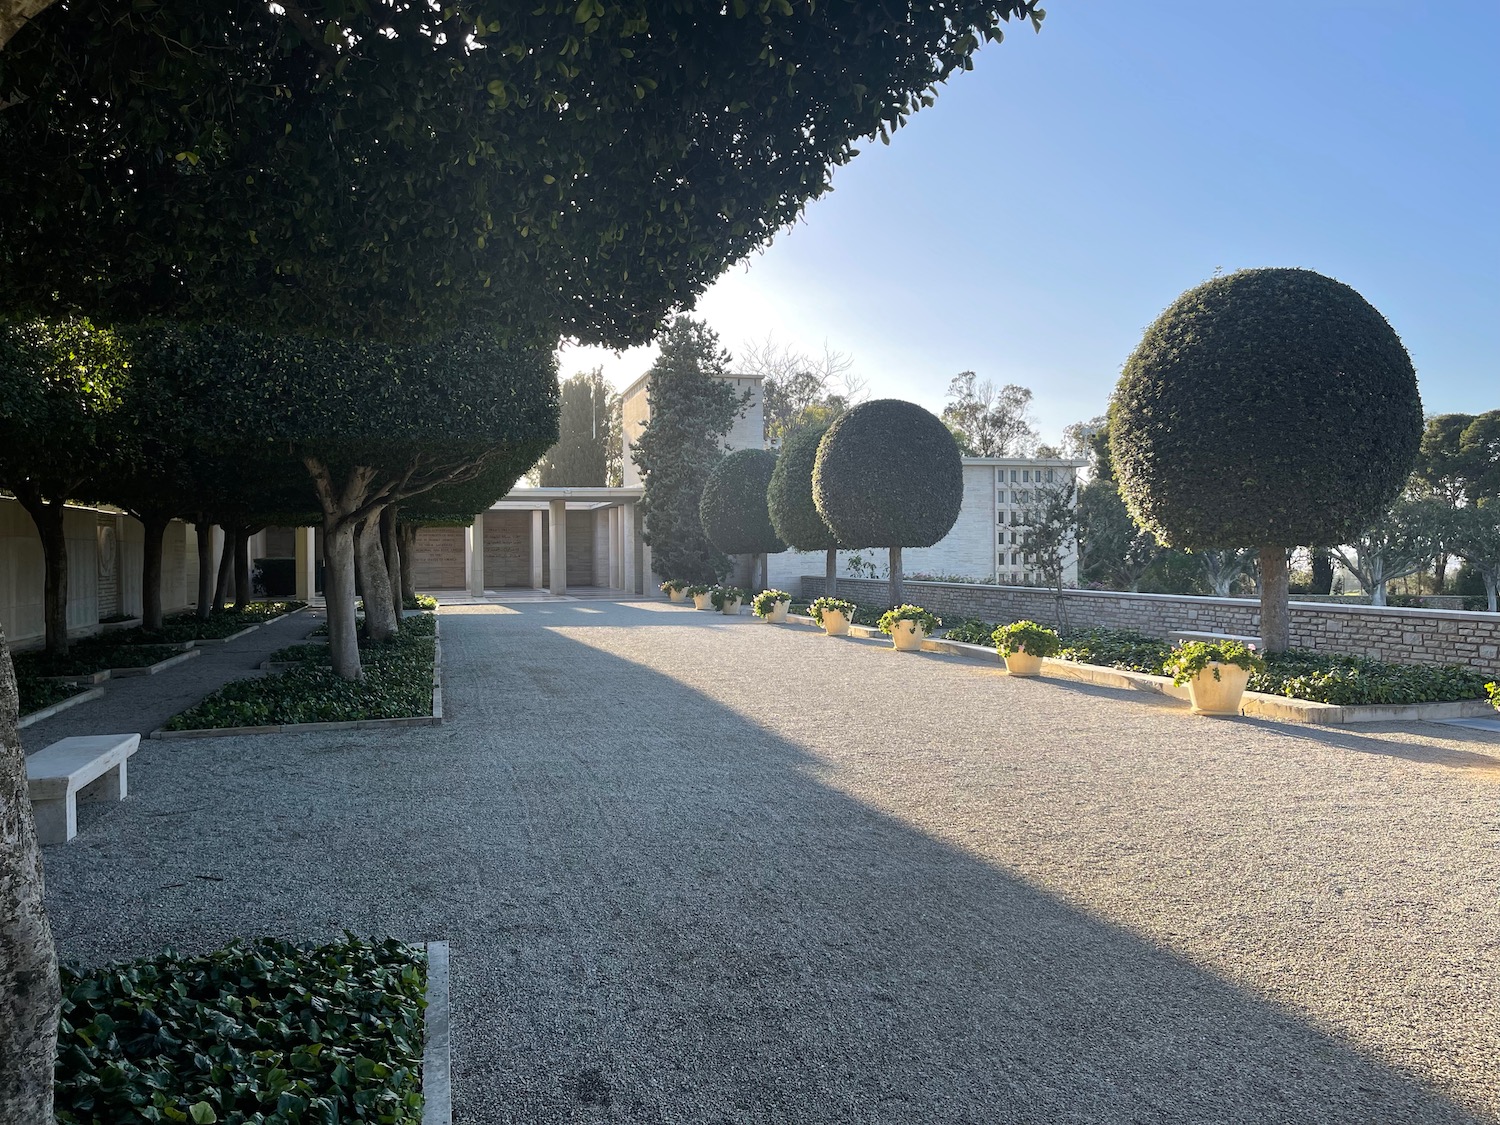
x: 1256, y: 705
x: 152, y: 669
x: 82, y: 678
x: 437, y: 1055
x: 235, y: 636
x: 61, y: 705
x: 108, y: 627
x: 433, y: 720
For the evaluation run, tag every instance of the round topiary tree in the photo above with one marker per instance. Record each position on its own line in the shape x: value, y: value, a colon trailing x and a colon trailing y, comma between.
x: 789, y: 499
x: 733, y: 507
x: 1273, y: 407
x: 888, y: 474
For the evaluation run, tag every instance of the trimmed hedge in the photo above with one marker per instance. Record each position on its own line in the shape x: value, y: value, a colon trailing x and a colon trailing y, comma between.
x: 733, y: 505
x: 266, y: 1032
x: 789, y: 497
x: 94, y: 655
x: 36, y: 693
x: 888, y: 474
x: 1270, y: 406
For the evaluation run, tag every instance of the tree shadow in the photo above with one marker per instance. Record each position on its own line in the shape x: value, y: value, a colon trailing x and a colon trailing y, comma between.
x: 1407, y: 741
x: 659, y: 912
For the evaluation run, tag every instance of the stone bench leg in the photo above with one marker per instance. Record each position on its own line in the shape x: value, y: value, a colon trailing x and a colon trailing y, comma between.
x: 110, y: 786
x: 56, y: 820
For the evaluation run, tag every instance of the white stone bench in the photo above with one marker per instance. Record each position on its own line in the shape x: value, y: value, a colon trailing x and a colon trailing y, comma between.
x: 88, y: 768
x: 1177, y: 635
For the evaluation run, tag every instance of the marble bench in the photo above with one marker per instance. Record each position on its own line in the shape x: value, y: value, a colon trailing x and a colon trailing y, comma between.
x: 87, y: 768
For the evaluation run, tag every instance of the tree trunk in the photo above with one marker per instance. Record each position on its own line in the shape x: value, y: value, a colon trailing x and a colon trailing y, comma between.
x: 338, y: 595
x: 831, y: 572
x: 897, y: 591
x: 30, y: 996
x: 205, y: 567
x: 341, y: 504
x: 55, y: 552
x: 1275, y: 613
x: 243, y: 594
x: 1490, y: 585
x: 225, y: 574
x: 1439, y: 572
x: 155, y: 530
x: 1322, y: 571
x: 381, y: 619
x: 1377, y: 592
x: 765, y: 571
x: 390, y: 547
x: 406, y: 534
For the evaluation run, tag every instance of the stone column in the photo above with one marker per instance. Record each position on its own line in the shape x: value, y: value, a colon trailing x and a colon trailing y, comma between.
x: 612, y: 520
x: 558, y: 576
x: 304, y: 540
x: 474, y: 556
x: 628, y: 577
x: 538, y: 529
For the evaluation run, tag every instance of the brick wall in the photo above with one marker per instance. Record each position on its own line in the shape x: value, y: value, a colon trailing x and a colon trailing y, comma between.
x: 1410, y: 636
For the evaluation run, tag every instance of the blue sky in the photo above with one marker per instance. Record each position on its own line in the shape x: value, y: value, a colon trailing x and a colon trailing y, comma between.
x: 1032, y: 223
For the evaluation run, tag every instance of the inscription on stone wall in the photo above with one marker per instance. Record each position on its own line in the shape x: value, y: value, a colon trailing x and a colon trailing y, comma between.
x: 438, y: 561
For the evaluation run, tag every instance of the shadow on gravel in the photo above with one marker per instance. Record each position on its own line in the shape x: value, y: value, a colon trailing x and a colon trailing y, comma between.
x: 659, y: 914
x: 1407, y: 744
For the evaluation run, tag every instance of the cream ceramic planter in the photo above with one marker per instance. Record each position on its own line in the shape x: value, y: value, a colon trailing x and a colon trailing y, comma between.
x: 908, y: 636
x: 777, y: 616
x: 1023, y: 664
x: 1221, y: 695
x: 835, y: 624
x: 731, y: 608
x: 703, y: 601
x: 677, y: 595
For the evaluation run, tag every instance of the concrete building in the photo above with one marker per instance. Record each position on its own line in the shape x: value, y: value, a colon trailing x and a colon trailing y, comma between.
x: 985, y: 543
x: 749, y: 430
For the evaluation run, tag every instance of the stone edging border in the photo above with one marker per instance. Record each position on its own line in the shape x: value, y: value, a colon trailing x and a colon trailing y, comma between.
x: 61, y: 705
x: 1256, y: 705
x: 437, y: 1055
x: 433, y: 720
x: 152, y: 669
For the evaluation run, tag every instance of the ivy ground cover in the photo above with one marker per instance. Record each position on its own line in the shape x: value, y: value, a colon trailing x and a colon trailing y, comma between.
x: 396, y: 683
x: 264, y: 1033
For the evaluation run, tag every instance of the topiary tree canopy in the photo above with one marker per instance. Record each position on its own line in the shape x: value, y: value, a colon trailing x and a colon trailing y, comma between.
x: 789, y: 499
x: 888, y: 474
x: 733, y: 507
x: 1271, y: 406
x: 401, y: 167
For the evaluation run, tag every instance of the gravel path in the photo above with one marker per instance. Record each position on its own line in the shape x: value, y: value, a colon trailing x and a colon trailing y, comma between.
x: 142, y: 703
x: 698, y: 870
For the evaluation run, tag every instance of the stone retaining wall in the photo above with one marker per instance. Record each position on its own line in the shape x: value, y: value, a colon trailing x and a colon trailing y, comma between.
x: 1409, y: 636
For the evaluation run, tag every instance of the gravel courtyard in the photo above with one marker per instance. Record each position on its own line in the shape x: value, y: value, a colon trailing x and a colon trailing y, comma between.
x: 707, y: 870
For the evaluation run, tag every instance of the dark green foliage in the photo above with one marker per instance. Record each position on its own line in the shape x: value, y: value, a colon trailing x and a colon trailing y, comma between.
x: 1026, y: 637
x: 61, y: 384
x: 580, y: 459
x: 386, y: 168
x: 888, y: 474
x: 971, y: 632
x: 1354, y: 680
x: 733, y: 506
x: 265, y: 1033
x: 463, y: 399
x: 1117, y: 648
x: 36, y: 693
x: 94, y: 655
x: 1319, y: 677
x: 396, y: 683
x: 789, y: 498
x: 221, y: 623
x: 1269, y: 407
x: 691, y: 411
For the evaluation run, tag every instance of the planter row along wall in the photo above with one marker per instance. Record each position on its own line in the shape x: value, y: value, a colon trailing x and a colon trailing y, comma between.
x: 1401, y: 636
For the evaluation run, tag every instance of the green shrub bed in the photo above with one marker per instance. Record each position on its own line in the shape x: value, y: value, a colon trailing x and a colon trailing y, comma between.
x: 971, y: 632
x: 180, y: 627
x: 36, y: 693
x: 1349, y: 681
x: 421, y: 601
x: 863, y: 615
x: 94, y: 655
x: 396, y: 683
x: 269, y: 1033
